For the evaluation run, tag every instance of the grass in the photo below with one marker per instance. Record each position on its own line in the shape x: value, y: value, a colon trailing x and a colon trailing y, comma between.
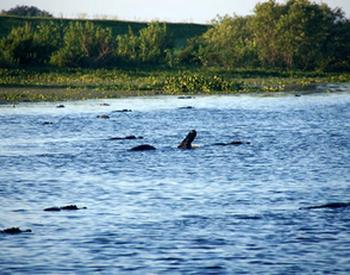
x: 53, y: 84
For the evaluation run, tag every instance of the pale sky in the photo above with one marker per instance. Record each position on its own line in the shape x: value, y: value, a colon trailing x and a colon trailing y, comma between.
x: 198, y: 11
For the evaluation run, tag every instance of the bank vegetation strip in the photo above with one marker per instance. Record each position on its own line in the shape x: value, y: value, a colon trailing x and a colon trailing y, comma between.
x: 278, y: 47
x: 50, y: 84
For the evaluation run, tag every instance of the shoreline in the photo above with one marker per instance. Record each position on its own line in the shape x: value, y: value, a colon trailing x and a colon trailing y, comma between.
x: 53, y: 85
x: 54, y: 95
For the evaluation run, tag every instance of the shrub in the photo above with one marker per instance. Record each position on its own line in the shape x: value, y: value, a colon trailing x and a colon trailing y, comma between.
x: 84, y: 45
x: 28, y: 45
x: 150, y: 46
x: 198, y: 83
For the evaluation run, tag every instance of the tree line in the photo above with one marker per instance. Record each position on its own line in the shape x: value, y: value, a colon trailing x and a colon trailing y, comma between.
x: 295, y: 35
x: 24, y: 10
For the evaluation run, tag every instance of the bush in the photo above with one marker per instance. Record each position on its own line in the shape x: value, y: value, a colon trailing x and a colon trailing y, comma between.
x: 84, y: 45
x: 150, y: 46
x: 28, y: 45
x: 189, y: 55
x: 198, y: 83
x: 127, y: 47
x: 154, y: 40
x: 229, y: 43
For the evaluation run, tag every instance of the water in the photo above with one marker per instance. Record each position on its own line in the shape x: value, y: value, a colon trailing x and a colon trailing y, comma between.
x: 215, y: 209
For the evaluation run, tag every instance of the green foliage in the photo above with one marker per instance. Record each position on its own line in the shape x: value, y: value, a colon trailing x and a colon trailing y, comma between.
x: 154, y: 40
x: 150, y: 46
x: 299, y: 35
x: 48, y: 84
x: 296, y: 35
x: 189, y: 55
x: 180, y: 32
x: 229, y: 44
x: 128, y: 47
x: 264, y: 31
x: 26, y: 11
x: 28, y: 45
x: 84, y: 45
x: 199, y: 83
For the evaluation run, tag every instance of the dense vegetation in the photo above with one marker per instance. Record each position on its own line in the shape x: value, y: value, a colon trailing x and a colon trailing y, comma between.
x: 52, y: 84
x: 297, y: 35
x: 279, y: 47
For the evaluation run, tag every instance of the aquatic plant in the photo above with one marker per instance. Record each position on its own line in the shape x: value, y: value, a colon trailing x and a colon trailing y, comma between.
x: 199, y: 83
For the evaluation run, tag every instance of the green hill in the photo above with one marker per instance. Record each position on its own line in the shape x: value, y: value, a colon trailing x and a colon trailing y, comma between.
x: 180, y: 31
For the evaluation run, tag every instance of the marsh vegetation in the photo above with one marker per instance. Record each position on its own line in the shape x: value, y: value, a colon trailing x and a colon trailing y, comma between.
x: 281, y: 45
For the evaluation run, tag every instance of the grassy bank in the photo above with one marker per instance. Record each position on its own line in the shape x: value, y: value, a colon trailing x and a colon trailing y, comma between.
x: 52, y: 84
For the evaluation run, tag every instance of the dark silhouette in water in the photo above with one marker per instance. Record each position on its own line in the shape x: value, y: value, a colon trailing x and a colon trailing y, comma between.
x: 186, y: 107
x: 122, y: 111
x: 187, y: 142
x: 14, y: 230
x: 103, y: 116
x: 67, y: 207
x: 143, y: 147
x: 60, y: 106
x: 127, y: 137
x: 332, y: 205
x: 236, y: 142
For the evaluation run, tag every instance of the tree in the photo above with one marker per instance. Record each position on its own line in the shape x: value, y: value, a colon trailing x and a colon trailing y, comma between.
x: 339, y: 58
x: 189, y: 54
x: 127, y: 47
x: 28, y: 45
x: 229, y: 43
x: 264, y: 31
x: 301, y: 35
x: 305, y: 34
x: 84, y: 45
x: 154, y: 40
x: 150, y: 46
x: 27, y: 11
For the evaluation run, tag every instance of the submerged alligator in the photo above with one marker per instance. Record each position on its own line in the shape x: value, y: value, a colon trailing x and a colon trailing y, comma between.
x: 186, y: 143
x: 67, y: 207
x: 332, y: 205
x: 126, y: 138
x: 14, y: 230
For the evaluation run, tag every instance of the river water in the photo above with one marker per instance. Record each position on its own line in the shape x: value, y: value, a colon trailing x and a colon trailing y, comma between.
x: 211, y: 210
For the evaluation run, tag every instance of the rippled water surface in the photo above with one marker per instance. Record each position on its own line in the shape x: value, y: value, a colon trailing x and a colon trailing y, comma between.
x: 215, y: 209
